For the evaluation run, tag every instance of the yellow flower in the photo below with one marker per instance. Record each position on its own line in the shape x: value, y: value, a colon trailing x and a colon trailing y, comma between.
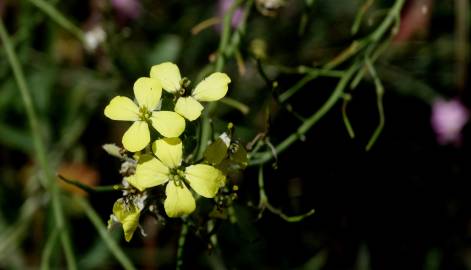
x: 147, y: 92
x: 167, y: 167
x: 212, y: 88
x: 127, y: 212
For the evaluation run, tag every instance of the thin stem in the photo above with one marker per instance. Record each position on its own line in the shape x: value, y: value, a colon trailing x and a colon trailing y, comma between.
x: 346, y: 99
x: 306, y: 69
x: 205, y: 24
x: 181, y: 245
x: 379, y: 103
x: 359, y: 16
x: 48, y: 248
x: 461, y: 42
x: 225, y: 35
x: 311, y: 121
x: 311, y: 75
x: 88, y: 188
x: 48, y: 180
x: 105, y: 235
x: 15, y: 233
x: 265, y: 204
x: 59, y: 18
x: 244, y: 109
x: 351, y: 50
x: 261, y: 187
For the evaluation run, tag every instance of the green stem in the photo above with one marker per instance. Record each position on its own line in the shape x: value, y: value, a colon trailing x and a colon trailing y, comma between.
x: 353, y: 49
x: 88, y: 188
x: 264, y: 203
x: 105, y: 235
x: 49, y: 179
x: 334, y: 97
x: 261, y: 187
x: 220, y: 61
x: 14, y: 234
x: 359, y: 17
x: 48, y: 248
x: 244, y: 109
x: 60, y: 19
x: 181, y: 245
x: 225, y: 36
x: 346, y: 99
x: 311, y: 75
x: 379, y: 103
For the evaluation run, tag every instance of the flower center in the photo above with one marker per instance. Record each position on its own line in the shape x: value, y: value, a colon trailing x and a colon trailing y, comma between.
x: 184, y: 85
x: 177, y: 176
x: 144, y: 113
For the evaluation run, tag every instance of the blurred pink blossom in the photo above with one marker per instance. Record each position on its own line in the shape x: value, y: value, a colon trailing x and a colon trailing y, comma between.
x: 223, y: 6
x: 414, y: 18
x: 448, y: 119
x: 127, y: 9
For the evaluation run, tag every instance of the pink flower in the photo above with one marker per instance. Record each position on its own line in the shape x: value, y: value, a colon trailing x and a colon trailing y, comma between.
x: 448, y: 119
x: 223, y: 6
x: 127, y: 9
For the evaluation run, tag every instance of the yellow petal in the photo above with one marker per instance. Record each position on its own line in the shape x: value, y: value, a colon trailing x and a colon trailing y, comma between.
x: 212, y: 88
x: 136, y: 137
x: 150, y: 172
x: 204, y: 179
x: 169, y: 124
x: 169, y: 151
x: 122, y: 108
x: 169, y: 76
x: 147, y: 92
x: 179, y: 201
x: 128, y: 215
x: 189, y: 108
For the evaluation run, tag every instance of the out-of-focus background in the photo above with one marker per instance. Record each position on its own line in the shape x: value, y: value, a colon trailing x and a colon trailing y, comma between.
x: 403, y: 204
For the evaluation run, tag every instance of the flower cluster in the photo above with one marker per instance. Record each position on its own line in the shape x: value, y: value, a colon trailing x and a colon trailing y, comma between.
x: 162, y: 162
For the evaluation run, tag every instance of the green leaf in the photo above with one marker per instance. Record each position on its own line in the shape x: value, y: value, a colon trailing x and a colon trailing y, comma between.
x: 239, y: 155
x: 167, y: 49
x: 216, y: 152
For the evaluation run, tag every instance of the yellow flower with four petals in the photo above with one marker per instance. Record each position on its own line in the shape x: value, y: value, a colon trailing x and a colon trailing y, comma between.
x: 204, y: 179
x: 212, y: 88
x: 148, y: 92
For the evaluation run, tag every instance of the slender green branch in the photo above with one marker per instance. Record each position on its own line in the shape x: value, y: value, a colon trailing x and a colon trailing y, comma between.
x: 220, y: 61
x: 261, y: 187
x: 311, y: 75
x: 14, y: 234
x: 88, y: 188
x: 379, y: 102
x: 274, y: 91
x: 359, y: 16
x: 181, y: 245
x: 60, y: 19
x: 265, y: 204
x: 311, y: 121
x: 244, y: 109
x: 48, y: 178
x: 48, y: 248
x: 225, y: 36
x: 204, y: 25
x: 105, y: 235
x: 306, y: 69
x: 346, y: 99
x: 355, y: 47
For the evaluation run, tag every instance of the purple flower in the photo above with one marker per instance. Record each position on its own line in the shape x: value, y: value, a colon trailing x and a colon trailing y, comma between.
x: 223, y: 6
x: 127, y: 9
x: 448, y: 119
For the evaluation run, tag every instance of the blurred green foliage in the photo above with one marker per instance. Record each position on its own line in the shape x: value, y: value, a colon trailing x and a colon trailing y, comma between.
x: 70, y: 85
